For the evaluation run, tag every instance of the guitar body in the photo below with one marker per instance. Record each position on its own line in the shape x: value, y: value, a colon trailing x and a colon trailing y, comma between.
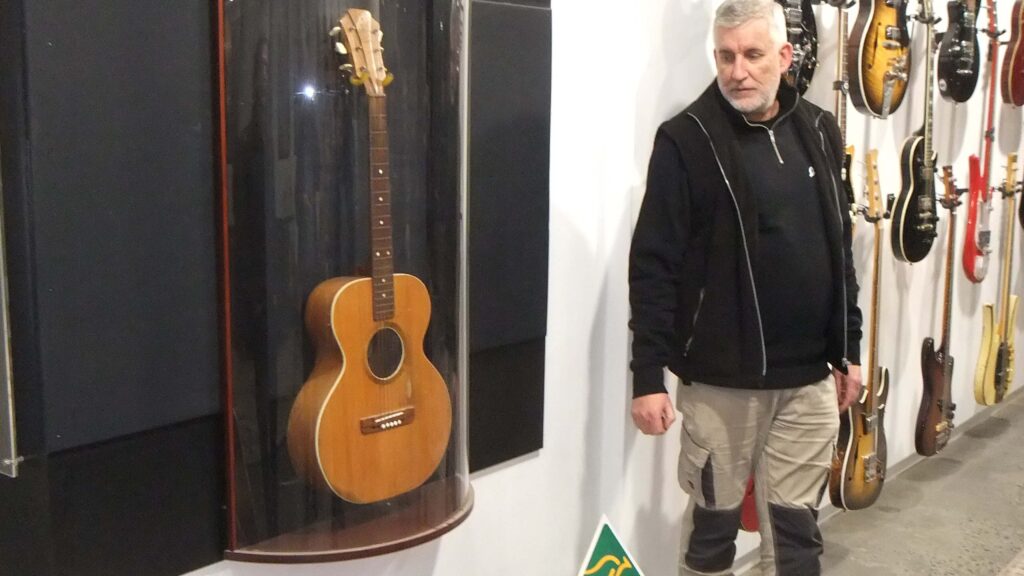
x: 374, y: 417
x: 978, y: 238
x: 802, y: 31
x: 913, y: 230
x: 1005, y: 356
x: 985, y: 373
x: 879, y: 53
x: 1012, y: 83
x: 935, y: 415
x: 959, y: 65
x: 858, y: 471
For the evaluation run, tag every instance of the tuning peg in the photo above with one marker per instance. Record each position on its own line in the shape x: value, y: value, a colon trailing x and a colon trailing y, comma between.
x: 340, y: 48
x: 345, y: 68
x: 334, y: 32
x: 388, y: 79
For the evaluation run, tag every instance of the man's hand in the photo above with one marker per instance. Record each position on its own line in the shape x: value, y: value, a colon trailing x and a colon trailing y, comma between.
x: 848, y: 386
x: 653, y: 413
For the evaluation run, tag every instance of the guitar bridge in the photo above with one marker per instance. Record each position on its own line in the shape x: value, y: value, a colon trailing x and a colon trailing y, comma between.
x: 387, y: 421
x: 870, y: 467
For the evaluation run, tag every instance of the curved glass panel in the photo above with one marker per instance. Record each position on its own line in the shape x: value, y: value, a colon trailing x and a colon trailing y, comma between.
x: 343, y: 186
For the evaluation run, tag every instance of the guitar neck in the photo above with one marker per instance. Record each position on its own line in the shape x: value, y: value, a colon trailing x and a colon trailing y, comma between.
x: 928, y: 17
x: 1004, y: 289
x: 841, y: 79
x: 993, y: 58
x: 947, y: 306
x: 381, y: 242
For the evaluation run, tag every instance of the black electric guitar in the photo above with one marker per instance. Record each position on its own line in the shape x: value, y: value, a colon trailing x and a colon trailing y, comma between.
x: 935, y: 415
x: 913, y: 219
x: 802, y: 32
x: 959, y: 62
x: 841, y: 86
x: 858, y: 469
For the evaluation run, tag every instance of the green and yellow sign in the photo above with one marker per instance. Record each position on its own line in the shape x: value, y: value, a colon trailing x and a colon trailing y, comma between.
x: 607, y: 555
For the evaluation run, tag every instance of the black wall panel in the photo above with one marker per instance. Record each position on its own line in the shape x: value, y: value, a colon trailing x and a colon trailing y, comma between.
x: 121, y: 215
x: 510, y: 125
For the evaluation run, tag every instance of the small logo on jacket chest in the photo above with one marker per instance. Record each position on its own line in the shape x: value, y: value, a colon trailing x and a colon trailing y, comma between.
x: 810, y: 171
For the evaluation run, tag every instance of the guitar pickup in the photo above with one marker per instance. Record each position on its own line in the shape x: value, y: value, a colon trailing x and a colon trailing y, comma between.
x: 870, y: 424
x: 893, y: 33
x: 387, y: 421
x: 870, y: 467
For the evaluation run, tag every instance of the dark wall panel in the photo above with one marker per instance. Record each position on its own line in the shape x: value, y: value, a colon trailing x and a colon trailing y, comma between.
x: 119, y: 102
x: 510, y: 125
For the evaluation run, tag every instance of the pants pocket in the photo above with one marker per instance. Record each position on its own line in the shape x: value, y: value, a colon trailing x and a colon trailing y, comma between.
x: 696, y: 473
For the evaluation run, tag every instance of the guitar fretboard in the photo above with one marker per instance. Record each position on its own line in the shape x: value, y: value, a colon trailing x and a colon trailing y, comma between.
x: 381, y: 245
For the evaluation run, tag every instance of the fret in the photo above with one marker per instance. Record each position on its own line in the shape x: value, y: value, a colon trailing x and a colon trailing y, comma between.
x: 381, y: 241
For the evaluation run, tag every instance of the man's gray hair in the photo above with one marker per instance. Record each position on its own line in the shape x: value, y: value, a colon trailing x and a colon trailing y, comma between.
x: 733, y: 13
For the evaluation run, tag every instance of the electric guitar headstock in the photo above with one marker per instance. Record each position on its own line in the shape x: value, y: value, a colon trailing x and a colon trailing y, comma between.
x: 358, y: 37
x: 951, y: 199
x: 1009, y: 187
x: 873, y: 192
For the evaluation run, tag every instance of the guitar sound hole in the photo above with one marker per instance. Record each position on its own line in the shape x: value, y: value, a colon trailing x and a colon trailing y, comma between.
x: 385, y: 353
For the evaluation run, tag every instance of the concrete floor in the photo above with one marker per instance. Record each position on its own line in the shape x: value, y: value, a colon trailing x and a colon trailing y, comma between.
x: 958, y: 513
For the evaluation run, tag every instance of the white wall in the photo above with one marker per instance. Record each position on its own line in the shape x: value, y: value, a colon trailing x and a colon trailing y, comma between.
x: 619, y: 70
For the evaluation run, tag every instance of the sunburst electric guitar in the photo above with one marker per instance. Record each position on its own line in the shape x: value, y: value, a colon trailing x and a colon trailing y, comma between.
x: 879, y: 56
x: 994, y: 374
x: 935, y: 415
x: 858, y: 469
x: 374, y: 417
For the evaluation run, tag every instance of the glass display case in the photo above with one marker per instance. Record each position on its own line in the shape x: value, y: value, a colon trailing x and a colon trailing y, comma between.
x: 343, y: 258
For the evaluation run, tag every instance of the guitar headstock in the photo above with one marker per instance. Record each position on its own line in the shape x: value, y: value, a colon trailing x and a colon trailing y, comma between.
x: 873, y: 192
x: 1009, y: 187
x: 950, y: 200
x: 358, y: 37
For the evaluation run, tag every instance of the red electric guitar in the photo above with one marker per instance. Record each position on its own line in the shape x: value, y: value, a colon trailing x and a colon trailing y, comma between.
x: 977, y: 240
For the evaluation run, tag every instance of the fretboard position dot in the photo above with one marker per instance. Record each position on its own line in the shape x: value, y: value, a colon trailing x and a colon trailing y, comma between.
x: 379, y: 171
x: 381, y: 222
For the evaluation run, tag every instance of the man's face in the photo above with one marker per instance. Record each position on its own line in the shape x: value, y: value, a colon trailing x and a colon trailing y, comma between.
x: 750, y: 67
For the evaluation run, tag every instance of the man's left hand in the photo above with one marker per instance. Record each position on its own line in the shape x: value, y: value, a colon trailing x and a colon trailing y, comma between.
x: 848, y: 386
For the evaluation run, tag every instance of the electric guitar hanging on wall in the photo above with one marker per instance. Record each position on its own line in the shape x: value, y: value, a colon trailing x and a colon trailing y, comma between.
x: 913, y: 219
x: 958, y: 52
x: 858, y: 469
x: 1013, y: 63
x: 879, y: 57
x: 978, y: 239
x: 841, y: 86
x: 802, y: 32
x: 374, y: 417
x: 935, y: 415
x: 994, y: 374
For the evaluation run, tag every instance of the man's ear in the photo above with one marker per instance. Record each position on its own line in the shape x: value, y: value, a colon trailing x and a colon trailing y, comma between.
x: 786, y: 57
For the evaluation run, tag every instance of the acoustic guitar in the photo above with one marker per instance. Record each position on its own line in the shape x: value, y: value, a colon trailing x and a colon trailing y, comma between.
x: 1013, y: 63
x: 802, y: 31
x: 958, y: 52
x: 858, y: 469
x: 879, y: 56
x: 374, y: 417
x: 978, y: 239
x: 994, y: 373
x: 935, y: 415
x: 914, y: 216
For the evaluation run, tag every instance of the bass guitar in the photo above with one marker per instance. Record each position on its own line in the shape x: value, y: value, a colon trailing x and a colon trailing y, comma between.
x: 914, y: 216
x: 374, y: 417
x: 1013, y: 64
x: 994, y: 374
x: 879, y: 57
x: 978, y: 239
x: 935, y: 415
x: 802, y: 32
x: 958, y: 52
x: 858, y: 469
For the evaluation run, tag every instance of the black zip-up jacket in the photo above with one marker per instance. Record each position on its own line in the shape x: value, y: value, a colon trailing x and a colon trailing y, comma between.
x: 693, y: 264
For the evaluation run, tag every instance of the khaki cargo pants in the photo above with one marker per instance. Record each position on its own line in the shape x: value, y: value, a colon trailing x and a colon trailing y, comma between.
x: 786, y: 437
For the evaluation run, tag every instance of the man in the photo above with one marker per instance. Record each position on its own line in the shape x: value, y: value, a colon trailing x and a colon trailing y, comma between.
x: 742, y: 284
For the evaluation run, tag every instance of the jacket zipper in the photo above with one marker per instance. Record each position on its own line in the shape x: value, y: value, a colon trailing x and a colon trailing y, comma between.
x: 746, y: 249
x: 771, y: 136
x: 693, y: 325
x: 842, y: 252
